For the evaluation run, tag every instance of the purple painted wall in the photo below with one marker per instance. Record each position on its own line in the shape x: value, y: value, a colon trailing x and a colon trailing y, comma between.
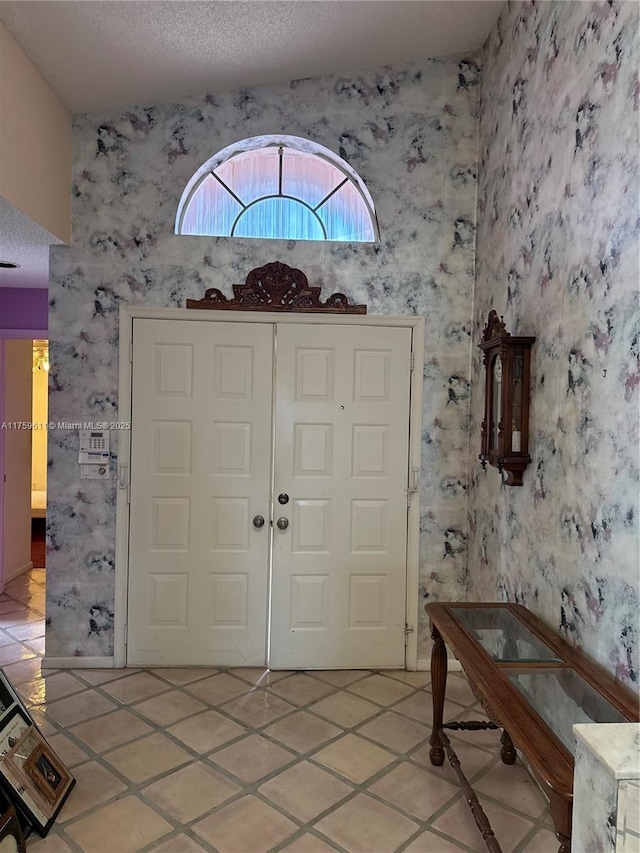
x: 24, y: 309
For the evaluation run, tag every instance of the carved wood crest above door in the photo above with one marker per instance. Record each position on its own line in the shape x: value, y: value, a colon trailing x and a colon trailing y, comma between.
x: 276, y: 287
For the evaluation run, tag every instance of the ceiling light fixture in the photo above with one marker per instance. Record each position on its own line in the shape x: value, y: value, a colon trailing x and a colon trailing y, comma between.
x: 41, y: 355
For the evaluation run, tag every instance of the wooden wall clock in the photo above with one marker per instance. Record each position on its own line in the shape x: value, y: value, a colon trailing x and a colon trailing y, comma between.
x: 505, y: 428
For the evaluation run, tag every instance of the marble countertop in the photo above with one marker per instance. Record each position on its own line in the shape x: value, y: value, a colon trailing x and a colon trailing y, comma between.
x: 615, y: 744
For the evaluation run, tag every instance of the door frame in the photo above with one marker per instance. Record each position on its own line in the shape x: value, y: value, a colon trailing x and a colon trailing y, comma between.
x: 130, y: 313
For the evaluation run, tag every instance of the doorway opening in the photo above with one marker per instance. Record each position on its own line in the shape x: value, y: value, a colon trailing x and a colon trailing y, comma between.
x: 39, y: 419
x: 22, y: 609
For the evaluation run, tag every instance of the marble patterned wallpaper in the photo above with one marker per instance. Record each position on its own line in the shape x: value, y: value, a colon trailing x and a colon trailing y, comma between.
x: 411, y: 133
x: 557, y: 254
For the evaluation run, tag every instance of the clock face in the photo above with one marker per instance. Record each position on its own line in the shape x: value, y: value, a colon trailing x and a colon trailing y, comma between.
x: 498, y: 370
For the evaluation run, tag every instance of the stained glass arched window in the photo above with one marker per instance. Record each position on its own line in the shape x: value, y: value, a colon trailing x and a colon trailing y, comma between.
x: 280, y: 187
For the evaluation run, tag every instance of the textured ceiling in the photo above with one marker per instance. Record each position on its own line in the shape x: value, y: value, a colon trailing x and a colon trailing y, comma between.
x: 25, y: 243
x: 104, y: 53
x: 98, y: 54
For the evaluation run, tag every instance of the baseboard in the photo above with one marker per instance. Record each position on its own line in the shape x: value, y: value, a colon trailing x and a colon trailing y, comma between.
x: 24, y: 567
x: 50, y: 662
x: 424, y: 664
x: 80, y: 662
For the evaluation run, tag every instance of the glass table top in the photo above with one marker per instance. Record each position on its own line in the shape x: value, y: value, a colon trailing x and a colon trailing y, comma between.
x: 562, y: 697
x: 502, y: 634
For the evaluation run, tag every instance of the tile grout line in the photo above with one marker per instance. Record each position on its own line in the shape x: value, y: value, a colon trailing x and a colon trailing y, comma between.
x: 371, y: 780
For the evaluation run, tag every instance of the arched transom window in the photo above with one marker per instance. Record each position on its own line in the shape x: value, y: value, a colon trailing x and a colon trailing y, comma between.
x: 280, y: 187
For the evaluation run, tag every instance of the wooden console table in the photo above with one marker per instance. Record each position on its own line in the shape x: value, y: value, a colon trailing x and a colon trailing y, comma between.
x: 533, y: 685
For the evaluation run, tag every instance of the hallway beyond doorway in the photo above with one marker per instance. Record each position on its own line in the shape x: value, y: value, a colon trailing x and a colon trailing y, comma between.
x: 39, y: 543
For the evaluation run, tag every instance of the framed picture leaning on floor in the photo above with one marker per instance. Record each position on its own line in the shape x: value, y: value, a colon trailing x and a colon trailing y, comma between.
x: 31, y: 774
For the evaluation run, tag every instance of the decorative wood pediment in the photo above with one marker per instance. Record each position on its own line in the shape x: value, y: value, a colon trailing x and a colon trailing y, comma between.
x: 276, y: 287
x: 495, y: 327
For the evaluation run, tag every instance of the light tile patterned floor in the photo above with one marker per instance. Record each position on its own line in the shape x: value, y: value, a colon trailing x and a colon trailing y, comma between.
x: 247, y: 761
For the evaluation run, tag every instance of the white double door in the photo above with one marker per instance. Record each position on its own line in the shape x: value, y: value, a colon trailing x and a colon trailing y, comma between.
x: 303, y: 425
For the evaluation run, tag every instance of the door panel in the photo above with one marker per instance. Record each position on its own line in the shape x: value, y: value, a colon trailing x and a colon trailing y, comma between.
x: 201, y: 458
x: 200, y: 472
x: 341, y: 454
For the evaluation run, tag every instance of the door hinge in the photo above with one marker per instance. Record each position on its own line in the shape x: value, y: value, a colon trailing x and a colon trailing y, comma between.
x: 413, y: 361
x: 126, y: 634
x: 131, y: 352
x: 408, y: 629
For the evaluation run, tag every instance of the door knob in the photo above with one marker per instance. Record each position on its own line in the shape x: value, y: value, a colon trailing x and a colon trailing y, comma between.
x: 258, y: 521
x: 282, y: 523
x: 283, y: 499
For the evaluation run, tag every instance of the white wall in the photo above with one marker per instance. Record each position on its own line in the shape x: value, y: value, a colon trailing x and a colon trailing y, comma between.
x: 35, y: 142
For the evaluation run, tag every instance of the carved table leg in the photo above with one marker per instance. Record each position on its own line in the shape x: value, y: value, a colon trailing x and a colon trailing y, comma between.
x: 560, y: 808
x: 438, y: 687
x: 508, y: 752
